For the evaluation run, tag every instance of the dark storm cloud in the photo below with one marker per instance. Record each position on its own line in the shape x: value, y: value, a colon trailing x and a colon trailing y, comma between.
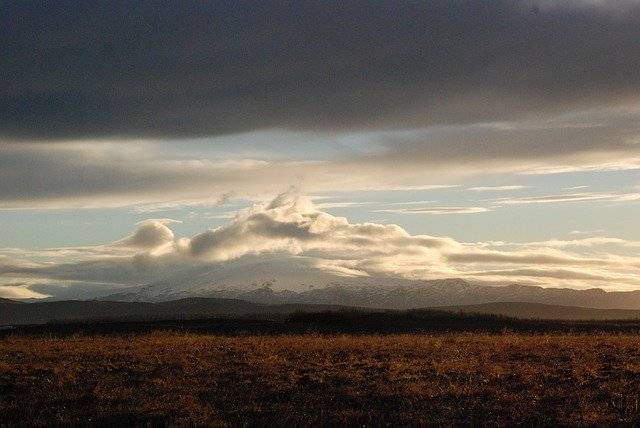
x: 86, y: 69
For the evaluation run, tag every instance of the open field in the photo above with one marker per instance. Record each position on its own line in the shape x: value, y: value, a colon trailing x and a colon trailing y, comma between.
x: 186, y: 378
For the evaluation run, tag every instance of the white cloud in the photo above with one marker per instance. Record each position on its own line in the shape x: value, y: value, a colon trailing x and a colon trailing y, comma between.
x: 410, y: 203
x: 19, y: 292
x: 329, y: 205
x: 586, y: 242
x: 576, y: 187
x: 570, y: 197
x: 152, y: 235
x: 496, y: 188
x: 628, y: 164
x: 586, y: 232
x: 226, y: 215
x: 437, y: 210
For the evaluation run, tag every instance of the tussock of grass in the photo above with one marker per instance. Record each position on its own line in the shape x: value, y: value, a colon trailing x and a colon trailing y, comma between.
x: 185, y: 378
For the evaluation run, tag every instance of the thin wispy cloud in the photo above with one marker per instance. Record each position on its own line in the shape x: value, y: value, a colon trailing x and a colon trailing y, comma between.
x: 630, y: 164
x: 592, y: 242
x: 421, y: 202
x: 226, y: 215
x: 329, y: 205
x: 496, y: 188
x: 436, y: 210
x: 575, y: 187
x: 572, y: 197
x: 587, y: 232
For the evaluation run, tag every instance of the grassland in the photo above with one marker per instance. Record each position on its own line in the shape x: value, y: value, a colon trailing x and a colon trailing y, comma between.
x: 185, y: 378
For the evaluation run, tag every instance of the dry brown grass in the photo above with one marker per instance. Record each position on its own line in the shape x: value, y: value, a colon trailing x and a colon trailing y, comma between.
x: 180, y: 378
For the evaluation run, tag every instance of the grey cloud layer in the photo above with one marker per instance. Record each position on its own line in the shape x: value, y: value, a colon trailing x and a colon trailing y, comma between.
x: 117, y: 174
x: 166, y: 69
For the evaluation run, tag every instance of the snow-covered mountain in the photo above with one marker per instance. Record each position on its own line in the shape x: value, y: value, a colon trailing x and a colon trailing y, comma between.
x: 291, y: 279
x: 284, y: 275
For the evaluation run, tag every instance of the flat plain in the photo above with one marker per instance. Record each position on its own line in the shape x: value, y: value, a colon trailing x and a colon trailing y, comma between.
x: 182, y: 378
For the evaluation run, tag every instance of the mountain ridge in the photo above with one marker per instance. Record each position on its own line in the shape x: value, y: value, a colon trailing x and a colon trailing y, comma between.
x: 412, y: 294
x: 286, y: 279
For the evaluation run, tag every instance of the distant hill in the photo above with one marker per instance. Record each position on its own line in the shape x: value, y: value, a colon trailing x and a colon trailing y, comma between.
x: 542, y: 311
x: 13, y: 313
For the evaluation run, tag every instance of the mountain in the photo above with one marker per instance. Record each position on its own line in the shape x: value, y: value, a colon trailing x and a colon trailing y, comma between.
x: 282, y: 279
x: 448, y: 292
x: 385, y: 293
x: 248, y: 278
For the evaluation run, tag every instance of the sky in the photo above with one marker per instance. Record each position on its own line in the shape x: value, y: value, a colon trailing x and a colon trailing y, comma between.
x: 497, y: 141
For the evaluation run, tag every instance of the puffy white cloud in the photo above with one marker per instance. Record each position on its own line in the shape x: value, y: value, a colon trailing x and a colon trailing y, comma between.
x: 292, y: 223
x: 152, y: 235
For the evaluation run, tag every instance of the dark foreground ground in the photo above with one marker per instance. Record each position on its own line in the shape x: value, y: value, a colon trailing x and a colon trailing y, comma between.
x: 186, y: 378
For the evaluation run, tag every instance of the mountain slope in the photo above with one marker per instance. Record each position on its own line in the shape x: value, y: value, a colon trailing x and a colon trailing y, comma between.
x: 233, y: 278
x: 449, y: 292
x: 292, y: 279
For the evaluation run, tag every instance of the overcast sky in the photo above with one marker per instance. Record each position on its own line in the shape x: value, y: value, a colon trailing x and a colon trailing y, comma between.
x: 506, y: 129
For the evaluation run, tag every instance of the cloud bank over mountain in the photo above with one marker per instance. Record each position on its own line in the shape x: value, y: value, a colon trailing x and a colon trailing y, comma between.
x: 439, y: 139
x: 290, y: 225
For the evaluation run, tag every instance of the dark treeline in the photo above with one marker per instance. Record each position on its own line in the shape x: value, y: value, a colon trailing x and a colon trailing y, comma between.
x: 335, y: 322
